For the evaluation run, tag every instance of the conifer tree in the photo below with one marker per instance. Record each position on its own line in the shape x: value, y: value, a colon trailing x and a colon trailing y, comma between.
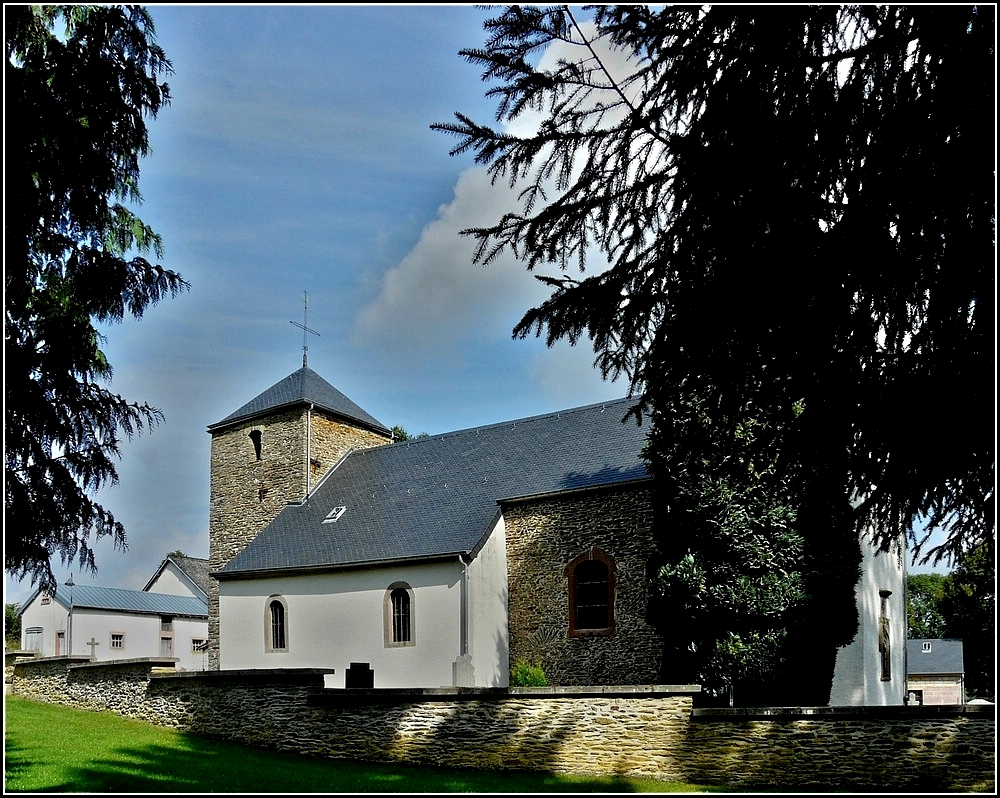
x: 777, y: 223
x: 81, y: 81
x: 770, y: 206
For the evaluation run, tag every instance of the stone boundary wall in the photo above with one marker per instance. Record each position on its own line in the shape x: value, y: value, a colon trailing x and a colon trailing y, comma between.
x: 645, y: 731
x: 946, y: 748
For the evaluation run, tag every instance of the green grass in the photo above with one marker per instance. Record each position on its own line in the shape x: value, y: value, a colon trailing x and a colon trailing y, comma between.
x: 57, y: 749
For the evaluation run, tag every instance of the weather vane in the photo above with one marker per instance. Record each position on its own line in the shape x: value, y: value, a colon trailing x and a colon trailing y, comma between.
x: 305, y: 329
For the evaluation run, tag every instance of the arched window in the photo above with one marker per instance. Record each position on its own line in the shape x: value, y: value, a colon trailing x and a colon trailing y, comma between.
x: 276, y: 625
x: 398, y: 615
x: 591, y: 578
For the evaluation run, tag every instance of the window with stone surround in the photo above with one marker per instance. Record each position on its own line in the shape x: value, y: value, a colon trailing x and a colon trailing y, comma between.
x: 397, y: 613
x: 117, y: 640
x: 276, y: 625
x: 591, y: 587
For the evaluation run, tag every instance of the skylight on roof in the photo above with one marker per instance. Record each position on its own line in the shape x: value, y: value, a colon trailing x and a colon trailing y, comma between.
x: 334, y: 515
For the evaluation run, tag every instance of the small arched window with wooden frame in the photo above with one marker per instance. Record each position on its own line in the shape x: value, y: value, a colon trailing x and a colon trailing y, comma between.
x: 398, y: 616
x: 591, y: 583
x: 276, y: 624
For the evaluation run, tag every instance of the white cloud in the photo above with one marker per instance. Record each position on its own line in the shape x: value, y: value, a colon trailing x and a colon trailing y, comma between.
x: 435, y: 302
x: 436, y: 296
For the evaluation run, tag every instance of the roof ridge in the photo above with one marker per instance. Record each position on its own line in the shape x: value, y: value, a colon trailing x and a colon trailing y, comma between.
x: 507, y: 423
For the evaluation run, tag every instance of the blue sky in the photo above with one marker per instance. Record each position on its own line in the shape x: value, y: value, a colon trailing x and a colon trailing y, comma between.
x: 297, y: 156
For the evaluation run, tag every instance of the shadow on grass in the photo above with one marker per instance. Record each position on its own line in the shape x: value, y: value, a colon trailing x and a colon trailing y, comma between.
x: 196, y: 764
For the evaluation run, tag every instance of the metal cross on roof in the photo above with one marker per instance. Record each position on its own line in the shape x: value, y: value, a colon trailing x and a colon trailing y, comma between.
x: 305, y: 329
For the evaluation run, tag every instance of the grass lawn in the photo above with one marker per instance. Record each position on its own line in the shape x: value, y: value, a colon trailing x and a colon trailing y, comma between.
x: 51, y: 748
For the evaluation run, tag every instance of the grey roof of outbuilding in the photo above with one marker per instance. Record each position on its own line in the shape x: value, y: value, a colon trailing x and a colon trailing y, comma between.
x: 945, y: 656
x: 438, y: 495
x: 137, y: 601
x: 302, y: 387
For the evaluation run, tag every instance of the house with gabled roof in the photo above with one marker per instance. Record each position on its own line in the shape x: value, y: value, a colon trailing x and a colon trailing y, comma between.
x: 167, y: 618
x: 180, y: 575
x: 935, y: 671
x: 438, y: 561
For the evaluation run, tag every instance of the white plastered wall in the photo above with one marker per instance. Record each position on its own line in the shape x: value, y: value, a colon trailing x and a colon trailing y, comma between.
x: 488, y: 611
x: 172, y: 581
x: 857, y: 677
x: 51, y: 618
x: 337, y: 618
x: 141, y: 633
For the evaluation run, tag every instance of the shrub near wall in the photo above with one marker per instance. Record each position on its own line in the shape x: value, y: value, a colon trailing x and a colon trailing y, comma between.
x: 633, y: 730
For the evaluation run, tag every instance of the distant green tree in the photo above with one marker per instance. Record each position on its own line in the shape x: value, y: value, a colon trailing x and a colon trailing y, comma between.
x: 968, y: 607
x: 12, y: 626
x: 400, y: 434
x: 923, y: 606
x: 80, y: 82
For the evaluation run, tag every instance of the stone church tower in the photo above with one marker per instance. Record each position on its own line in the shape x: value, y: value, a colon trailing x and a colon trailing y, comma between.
x: 271, y: 452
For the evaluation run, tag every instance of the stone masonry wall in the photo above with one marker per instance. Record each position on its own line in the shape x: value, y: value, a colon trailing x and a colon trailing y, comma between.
x: 247, y: 493
x: 838, y: 748
x: 543, y: 537
x: 643, y: 731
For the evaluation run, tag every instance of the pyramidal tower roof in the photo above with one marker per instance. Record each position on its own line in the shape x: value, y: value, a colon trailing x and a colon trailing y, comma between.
x: 302, y: 387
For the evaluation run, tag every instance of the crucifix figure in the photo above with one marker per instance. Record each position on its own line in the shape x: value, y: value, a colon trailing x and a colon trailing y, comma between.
x: 93, y: 647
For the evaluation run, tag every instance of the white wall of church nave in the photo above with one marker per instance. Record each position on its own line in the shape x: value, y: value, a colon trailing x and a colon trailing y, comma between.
x: 337, y: 618
x: 488, y: 634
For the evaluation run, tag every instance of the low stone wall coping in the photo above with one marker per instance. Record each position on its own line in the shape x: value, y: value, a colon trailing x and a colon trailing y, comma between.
x: 269, y: 676
x: 69, y: 659
x: 737, y: 714
x: 153, y: 662
x: 340, y: 695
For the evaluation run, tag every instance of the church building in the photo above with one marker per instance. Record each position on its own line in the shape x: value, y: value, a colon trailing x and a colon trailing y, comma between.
x: 436, y: 561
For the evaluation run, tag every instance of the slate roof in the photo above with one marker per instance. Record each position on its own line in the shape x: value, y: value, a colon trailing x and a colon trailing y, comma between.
x: 137, y: 601
x: 438, y: 495
x: 945, y: 656
x: 304, y: 386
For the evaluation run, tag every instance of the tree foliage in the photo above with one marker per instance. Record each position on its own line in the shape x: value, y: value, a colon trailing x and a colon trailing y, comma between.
x: 81, y: 81
x: 923, y: 606
x: 960, y: 605
x: 786, y: 206
x: 11, y: 627
x: 969, y: 608
x: 746, y: 569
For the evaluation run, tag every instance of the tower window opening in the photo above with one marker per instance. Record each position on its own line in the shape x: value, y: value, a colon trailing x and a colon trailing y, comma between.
x: 255, y: 437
